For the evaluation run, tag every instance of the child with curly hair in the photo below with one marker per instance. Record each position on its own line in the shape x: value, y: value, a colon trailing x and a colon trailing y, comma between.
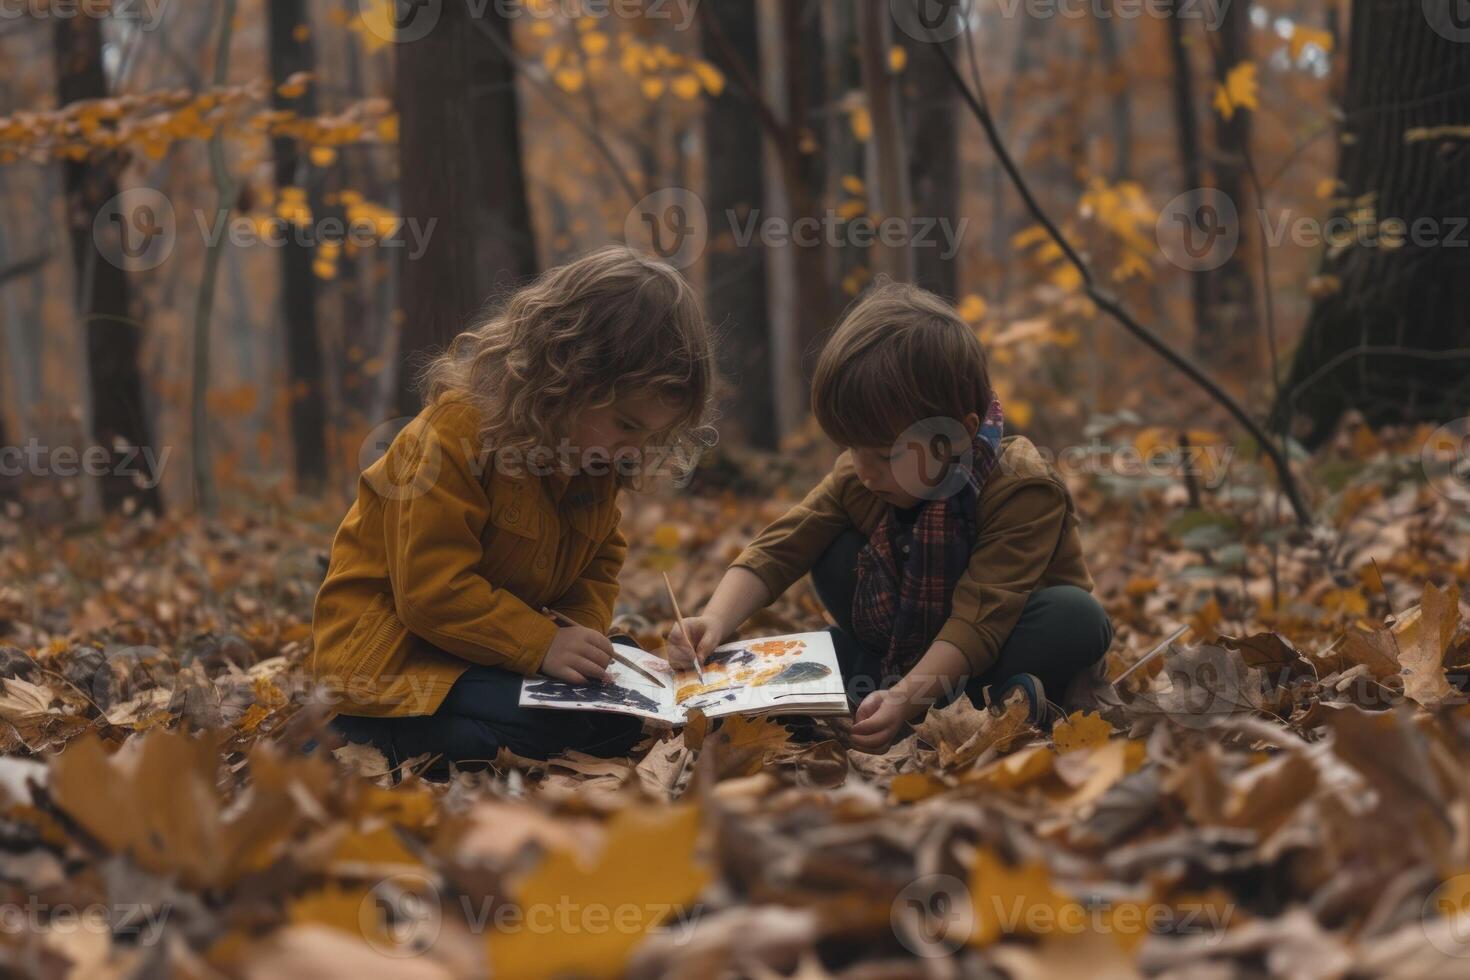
x: 492, y: 519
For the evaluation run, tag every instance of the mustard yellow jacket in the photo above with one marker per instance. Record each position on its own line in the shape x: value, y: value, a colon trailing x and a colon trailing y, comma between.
x: 446, y: 559
x: 1028, y: 539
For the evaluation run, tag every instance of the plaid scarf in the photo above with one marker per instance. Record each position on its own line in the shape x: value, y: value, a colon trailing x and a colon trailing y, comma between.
x: 901, y: 600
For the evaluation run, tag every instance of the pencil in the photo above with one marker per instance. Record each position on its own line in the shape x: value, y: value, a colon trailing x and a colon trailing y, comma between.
x: 679, y: 618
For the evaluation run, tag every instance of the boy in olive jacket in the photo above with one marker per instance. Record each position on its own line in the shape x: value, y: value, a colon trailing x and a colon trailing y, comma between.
x: 948, y: 556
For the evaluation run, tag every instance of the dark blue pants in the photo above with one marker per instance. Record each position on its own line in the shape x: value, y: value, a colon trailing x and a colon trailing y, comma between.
x: 1062, y: 631
x: 481, y: 714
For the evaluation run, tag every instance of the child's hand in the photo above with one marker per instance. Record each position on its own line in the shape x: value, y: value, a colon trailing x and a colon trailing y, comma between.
x: 705, y: 633
x: 579, y: 655
x: 878, y: 720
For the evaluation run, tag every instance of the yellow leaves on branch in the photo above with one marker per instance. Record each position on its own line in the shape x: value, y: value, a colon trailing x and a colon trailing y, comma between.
x: 1238, y: 91
x: 152, y: 122
x: 655, y: 67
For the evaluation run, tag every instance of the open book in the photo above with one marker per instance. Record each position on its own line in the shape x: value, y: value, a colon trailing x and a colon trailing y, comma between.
x: 795, y: 674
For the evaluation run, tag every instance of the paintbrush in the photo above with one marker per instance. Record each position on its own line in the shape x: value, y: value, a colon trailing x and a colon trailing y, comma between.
x: 626, y: 661
x: 684, y: 630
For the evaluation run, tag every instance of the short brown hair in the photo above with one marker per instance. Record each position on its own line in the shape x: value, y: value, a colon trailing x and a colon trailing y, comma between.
x: 900, y: 355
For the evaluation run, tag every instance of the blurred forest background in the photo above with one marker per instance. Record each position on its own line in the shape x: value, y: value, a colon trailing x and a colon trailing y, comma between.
x: 412, y: 180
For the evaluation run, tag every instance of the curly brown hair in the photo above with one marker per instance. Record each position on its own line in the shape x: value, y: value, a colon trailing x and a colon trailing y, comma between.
x: 609, y: 323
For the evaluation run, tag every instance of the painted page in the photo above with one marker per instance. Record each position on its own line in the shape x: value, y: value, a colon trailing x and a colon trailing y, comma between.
x: 795, y: 674
x: 628, y: 693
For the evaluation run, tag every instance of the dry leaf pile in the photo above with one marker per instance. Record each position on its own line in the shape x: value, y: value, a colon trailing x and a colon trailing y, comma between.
x: 1282, y: 791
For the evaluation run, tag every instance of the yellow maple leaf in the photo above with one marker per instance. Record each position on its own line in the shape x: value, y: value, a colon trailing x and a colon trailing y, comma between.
x: 1009, y: 900
x: 1080, y: 730
x: 1238, y: 91
x: 582, y: 917
x: 862, y: 123
x: 898, y: 59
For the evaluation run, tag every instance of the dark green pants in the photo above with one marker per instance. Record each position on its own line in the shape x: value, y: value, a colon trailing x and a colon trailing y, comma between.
x: 1062, y: 631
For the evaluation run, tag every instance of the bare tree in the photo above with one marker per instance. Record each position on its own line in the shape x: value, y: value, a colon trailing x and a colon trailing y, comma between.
x: 461, y: 168
x: 932, y: 122
x: 888, y: 190
x: 291, y: 52
x: 736, y: 290
x: 1390, y: 327
x: 119, y: 417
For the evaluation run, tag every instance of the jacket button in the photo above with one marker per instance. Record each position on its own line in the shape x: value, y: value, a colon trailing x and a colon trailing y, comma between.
x: 512, y: 515
x: 541, y: 562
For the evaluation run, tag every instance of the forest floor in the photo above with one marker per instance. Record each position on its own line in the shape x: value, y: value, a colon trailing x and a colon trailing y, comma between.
x: 1284, y: 790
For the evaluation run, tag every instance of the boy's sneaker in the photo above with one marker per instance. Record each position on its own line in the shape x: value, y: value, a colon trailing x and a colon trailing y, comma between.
x: 1038, y: 709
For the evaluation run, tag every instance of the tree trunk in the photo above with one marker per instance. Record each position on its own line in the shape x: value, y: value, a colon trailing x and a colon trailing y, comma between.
x: 1120, y: 99
x: 735, y: 293
x: 119, y: 416
x: 1186, y: 135
x: 888, y: 186
x: 291, y: 51
x: 932, y: 106
x: 460, y: 167
x: 1231, y: 331
x: 1377, y: 301
x: 799, y: 297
